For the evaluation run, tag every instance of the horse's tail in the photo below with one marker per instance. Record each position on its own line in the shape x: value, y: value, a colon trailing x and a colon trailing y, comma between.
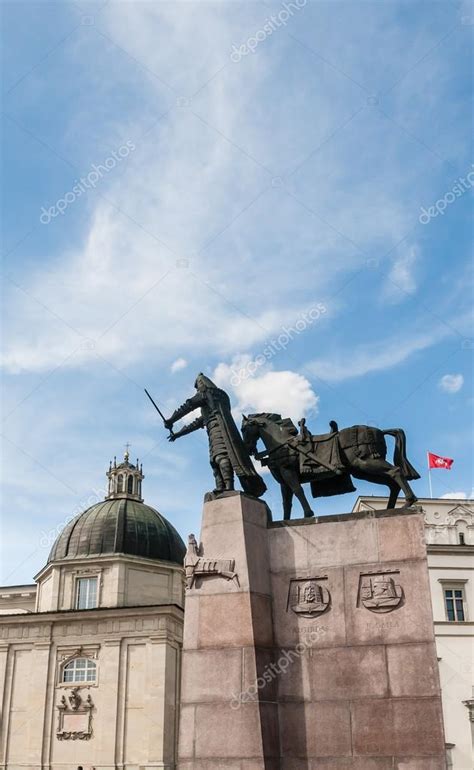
x: 400, y: 456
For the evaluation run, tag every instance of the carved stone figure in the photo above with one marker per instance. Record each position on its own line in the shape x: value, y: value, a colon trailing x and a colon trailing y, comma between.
x: 75, y: 699
x: 327, y: 461
x: 227, y: 453
x: 196, y: 565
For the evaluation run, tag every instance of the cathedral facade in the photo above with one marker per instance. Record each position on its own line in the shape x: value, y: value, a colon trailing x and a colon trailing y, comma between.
x: 90, y: 661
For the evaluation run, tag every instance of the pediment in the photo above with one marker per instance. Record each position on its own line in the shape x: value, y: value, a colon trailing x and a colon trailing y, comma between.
x: 461, y: 512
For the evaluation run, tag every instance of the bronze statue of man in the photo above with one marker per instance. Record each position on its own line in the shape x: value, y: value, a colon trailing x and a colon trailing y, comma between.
x: 227, y: 453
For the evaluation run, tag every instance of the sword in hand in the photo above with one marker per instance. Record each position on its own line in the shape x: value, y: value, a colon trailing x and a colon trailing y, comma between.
x: 171, y: 436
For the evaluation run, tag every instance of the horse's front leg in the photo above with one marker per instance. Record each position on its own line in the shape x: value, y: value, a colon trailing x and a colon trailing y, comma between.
x: 287, y: 497
x: 291, y: 477
x: 286, y: 491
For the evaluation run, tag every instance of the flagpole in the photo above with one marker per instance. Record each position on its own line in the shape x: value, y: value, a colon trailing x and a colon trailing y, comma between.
x: 429, y: 474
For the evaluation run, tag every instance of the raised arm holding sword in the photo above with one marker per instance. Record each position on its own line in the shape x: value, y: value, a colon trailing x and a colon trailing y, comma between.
x: 227, y: 453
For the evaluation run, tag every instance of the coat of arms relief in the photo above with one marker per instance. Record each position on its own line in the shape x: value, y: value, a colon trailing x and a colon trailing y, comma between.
x: 74, y: 717
x: 308, y: 597
x: 380, y: 592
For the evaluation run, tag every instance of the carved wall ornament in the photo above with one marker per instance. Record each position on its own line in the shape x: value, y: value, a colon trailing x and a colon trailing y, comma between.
x: 65, y: 655
x: 379, y: 592
x: 74, y: 717
x: 470, y: 705
x: 308, y: 597
x: 196, y: 565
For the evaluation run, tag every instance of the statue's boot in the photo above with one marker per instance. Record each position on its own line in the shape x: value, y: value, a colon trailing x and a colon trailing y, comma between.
x: 220, y: 484
x: 227, y: 472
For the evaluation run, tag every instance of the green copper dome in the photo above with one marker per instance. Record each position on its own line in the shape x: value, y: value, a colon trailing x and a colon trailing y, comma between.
x: 119, y: 525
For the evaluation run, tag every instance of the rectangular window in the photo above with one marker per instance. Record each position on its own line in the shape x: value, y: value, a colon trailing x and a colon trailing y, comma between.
x: 454, y: 602
x: 86, y: 593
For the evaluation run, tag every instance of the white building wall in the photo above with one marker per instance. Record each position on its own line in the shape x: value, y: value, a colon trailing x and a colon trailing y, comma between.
x: 123, y: 581
x: 134, y: 695
x: 136, y: 651
x: 17, y: 599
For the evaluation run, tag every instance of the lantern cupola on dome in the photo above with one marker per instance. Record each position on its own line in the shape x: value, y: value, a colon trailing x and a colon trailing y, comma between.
x: 125, y: 479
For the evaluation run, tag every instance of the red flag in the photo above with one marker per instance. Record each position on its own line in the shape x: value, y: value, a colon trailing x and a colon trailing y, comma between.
x: 435, y: 461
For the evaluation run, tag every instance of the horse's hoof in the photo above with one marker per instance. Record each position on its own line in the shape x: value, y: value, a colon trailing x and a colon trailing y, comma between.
x: 309, y: 515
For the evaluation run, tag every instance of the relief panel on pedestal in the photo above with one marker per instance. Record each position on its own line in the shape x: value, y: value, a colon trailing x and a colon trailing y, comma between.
x: 308, y: 597
x: 380, y: 591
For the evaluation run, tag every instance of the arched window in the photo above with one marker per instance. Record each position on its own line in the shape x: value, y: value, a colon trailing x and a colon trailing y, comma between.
x: 80, y: 670
x: 120, y: 483
x: 130, y: 484
x: 461, y: 531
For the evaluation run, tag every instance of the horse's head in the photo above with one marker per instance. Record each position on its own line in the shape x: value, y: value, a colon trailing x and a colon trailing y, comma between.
x: 250, y: 432
x: 256, y: 426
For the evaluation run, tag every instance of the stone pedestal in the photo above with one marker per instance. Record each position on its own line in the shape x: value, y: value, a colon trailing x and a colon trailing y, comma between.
x: 319, y: 654
x: 228, y: 643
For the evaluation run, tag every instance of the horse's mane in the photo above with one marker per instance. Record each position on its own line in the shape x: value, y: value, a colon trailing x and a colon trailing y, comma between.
x: 275, y: 419
x: 273, y: 416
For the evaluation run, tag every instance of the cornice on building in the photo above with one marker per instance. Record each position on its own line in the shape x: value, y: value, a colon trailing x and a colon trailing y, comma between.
x: 454, y: 548
x: 163, y: 622
x: 91, y: 614
x: 155, y: 565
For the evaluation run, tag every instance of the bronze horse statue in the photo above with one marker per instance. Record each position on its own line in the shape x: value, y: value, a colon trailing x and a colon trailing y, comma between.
x: 327, y: 461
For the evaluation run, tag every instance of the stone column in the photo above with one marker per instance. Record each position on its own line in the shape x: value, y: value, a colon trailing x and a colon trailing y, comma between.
x: 5, y: 683
x: 106, y: 698
x: 161, y: 702
x: 228, y: 642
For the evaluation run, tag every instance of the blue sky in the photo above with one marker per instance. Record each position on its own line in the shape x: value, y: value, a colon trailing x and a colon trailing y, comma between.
x: 244, y: 190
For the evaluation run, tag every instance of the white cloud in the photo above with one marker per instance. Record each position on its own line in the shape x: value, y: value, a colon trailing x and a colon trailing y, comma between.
x: 191, y: 178
x: 177, y: 365
x: 454, y: 496
x: 401, y: 279
x: 285, y: 392
x: 451, y: 383
x: 374, y: 357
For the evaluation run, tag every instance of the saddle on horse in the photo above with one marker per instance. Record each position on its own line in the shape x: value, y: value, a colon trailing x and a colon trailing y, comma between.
x: 320, y: 461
